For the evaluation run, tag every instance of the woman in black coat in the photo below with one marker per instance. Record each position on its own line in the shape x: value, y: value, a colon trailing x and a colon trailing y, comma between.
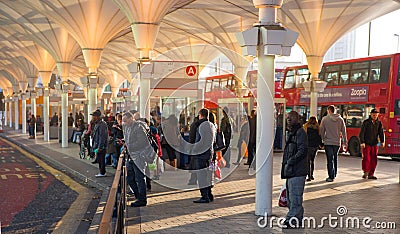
x: 314, y: 141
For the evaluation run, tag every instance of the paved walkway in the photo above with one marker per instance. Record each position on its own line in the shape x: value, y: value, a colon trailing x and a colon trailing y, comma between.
x: 172, y: 210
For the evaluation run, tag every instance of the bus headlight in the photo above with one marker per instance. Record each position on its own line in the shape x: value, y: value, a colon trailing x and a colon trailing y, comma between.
x: 388, y: 145
x: 390, y: 130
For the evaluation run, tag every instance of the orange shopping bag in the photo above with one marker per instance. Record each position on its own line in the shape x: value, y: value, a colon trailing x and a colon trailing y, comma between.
x: 244, y: 152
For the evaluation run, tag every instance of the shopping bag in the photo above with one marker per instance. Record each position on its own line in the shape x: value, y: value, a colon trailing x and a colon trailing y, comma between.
x: 217, y: 170
x: 244, y: 152
x: 282, y: 196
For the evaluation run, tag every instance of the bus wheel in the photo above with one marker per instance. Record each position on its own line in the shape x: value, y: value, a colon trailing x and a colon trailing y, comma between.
x: 354, y: 147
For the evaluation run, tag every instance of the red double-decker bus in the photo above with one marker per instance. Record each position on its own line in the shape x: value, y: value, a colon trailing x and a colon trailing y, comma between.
x: 355, y: 87
x: 224, y: 86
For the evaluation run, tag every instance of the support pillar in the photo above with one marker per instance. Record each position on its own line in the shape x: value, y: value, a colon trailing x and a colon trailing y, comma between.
x: 16, y: 108
x: 46, y: 108
x: 64, y: 116
x: 265, y: 132
x: 23, y: 98
x: 6, y: 110
x: 144, y: 98
x: 10, y: 112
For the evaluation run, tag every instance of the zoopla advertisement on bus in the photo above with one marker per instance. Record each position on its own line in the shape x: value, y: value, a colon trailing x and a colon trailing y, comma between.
x: 355, y: 93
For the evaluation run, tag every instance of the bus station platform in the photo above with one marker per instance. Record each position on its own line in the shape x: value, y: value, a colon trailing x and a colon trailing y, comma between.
x: 348, y: 205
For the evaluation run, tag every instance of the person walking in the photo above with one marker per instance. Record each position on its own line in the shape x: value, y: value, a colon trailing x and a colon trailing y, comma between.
x: 202, y: 153
x: 137, y: 145
x: 333, y: 132
x: 294, y: 170
x: 371, y: 130
x: 100, y: 138
x: 314, y: 141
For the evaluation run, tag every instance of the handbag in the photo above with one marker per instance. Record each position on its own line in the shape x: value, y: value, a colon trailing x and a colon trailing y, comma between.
x: 219, y: 141
x: 282, y: 202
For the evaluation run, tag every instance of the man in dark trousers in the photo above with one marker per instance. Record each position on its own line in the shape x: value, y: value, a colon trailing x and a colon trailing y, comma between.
x: 202, y: 152
x: 294, y: 170
x: 100, y: 138
x: 371, y: 129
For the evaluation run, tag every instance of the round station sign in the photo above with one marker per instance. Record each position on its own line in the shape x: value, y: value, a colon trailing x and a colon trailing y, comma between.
x: 191, y: 71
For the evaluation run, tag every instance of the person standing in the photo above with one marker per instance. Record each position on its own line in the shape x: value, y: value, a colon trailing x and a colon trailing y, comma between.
x: 294, y: 170
x: 118, y: 135
x: 70, y: 120
x: 314, y: 141
x: 81, y: 116
x: 371, y: 130
x: 333, y: 132
x: 251, y: 147
x: 31, y: 127
x: 226, y: 129
x: 202, y: 153
x: 137, y: 145
x: 100, y: 138
x: 243, y: 138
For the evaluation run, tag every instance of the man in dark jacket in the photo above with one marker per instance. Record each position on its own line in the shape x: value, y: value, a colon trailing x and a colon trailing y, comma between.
x: 100, y: 138
x: 371, y: 129
x: 294, y: 170
x: 202, y: 152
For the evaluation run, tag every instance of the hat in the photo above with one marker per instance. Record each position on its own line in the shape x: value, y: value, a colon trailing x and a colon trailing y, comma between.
x: 374, y: 111
x: 96, y: 113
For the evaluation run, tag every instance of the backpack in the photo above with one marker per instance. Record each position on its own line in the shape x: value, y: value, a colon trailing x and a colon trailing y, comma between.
x: 152, y: 141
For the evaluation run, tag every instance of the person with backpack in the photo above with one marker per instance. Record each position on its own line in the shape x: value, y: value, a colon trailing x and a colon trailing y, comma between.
x: 139, y: 150
x: 294, y: 170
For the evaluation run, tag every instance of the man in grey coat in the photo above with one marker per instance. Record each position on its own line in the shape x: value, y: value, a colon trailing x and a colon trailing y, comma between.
x: 333, y: 132
x: 137, y: 145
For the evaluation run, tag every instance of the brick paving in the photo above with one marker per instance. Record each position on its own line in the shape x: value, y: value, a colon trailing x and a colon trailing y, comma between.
x: 172, y: 211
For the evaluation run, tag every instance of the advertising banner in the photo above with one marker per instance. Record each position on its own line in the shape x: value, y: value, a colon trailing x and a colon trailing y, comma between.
x: 347, y: 94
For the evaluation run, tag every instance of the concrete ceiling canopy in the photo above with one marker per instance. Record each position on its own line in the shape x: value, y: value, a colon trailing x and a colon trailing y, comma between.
x: 93, y: 23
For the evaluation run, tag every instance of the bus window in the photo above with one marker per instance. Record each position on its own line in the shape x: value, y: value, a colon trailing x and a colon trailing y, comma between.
x: 289, y: 80
x: 332, y: 78
x: 344, y: 78
x: 359, y: 76
x: 208, y: 85
x: 354, y: 115
x: 385, y: 70
x: 302, y: 75
x: 397, y: 107
x: 375, y: 71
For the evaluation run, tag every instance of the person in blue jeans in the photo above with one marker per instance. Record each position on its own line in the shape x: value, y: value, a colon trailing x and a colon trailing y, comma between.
x: 137, y: 145
x: 294, y: 170
x: 333, y: 132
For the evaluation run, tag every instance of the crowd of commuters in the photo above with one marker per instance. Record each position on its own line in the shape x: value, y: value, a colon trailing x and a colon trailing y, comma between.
x: 129, y: 133
x: 302, y: 145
